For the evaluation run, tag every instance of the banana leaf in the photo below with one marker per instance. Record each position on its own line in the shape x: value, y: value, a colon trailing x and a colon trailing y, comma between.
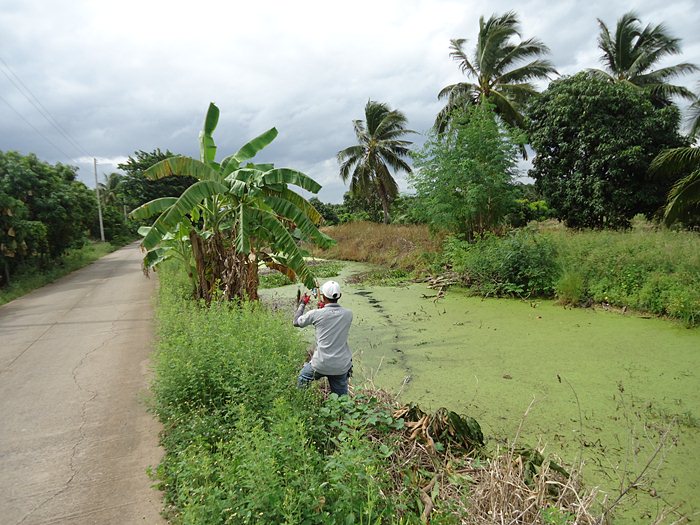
x: 182, y: 166
x: 289, y: 211
x: 152, y: 208
x: 291, y: 176
x: 207, y: 147
x: 190, y: 198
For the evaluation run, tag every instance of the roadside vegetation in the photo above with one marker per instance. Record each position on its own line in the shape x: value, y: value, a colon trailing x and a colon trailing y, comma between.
x: 26, y: 279
x: 243, y: 445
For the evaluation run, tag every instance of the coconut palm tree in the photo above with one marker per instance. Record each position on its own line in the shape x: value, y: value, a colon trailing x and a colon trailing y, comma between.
x: 379, y: 148
x: 109, y: 189
x: 632, y: 53
x: 501, y: 69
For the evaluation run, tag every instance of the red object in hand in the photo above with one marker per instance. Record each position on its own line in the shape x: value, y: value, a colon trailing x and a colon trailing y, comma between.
x: 305, y: 299
x: 320, y: 304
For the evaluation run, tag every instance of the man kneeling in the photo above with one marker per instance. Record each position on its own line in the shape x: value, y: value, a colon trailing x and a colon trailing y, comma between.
x: 332, y: 357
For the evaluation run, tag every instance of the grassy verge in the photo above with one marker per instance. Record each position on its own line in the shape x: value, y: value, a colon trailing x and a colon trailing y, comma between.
x: 244, y: 445
x: 29, y: 279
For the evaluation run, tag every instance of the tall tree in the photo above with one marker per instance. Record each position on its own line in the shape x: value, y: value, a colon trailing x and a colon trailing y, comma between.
x: 594, y: 141
x: 464, y: 175
x: 501, y: 69
x: 379, y: 148
x: 633, y: 51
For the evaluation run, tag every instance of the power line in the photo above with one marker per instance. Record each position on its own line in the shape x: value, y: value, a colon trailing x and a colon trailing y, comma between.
x: 40, y: 107
x: 34, y: 128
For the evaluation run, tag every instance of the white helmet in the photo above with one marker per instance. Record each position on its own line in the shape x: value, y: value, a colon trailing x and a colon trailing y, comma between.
x: 331, y: 289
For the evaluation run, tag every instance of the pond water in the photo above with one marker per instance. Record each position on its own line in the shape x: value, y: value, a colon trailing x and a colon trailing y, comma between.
x: 596, y: 385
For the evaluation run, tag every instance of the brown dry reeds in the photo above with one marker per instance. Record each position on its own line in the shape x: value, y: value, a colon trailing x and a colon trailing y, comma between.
x: 389, y: 245
x: 507, y: 488
x: 504, y: 493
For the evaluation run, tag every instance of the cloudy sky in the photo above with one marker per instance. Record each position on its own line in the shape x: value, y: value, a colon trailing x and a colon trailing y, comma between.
x: 82, y: 79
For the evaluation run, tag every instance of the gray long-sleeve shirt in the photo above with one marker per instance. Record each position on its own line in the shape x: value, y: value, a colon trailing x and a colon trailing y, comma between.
x: 332, y: 355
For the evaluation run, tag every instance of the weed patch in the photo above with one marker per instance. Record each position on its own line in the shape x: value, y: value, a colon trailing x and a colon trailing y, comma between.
x: 645, y: 270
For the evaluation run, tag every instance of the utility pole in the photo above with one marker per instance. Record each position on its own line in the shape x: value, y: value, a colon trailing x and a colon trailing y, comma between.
x: 99, y: 204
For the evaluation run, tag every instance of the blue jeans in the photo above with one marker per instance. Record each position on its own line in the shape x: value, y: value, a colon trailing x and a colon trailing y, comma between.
x: 339, y: 384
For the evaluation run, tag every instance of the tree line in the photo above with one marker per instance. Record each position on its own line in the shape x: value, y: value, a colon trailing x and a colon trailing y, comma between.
x: 607, y: 146
x: 607, y: 142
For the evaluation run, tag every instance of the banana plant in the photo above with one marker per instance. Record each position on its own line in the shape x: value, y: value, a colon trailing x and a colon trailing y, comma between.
x: 237, y: 215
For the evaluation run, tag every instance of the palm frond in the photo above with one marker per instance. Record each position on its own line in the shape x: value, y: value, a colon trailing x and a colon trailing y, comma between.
x: 684, y: 194
x: 535, y: 70
x: 675, y: 161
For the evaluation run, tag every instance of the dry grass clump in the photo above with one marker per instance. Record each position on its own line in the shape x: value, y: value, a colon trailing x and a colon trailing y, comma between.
x: 504, y: 491
x: 393, y: 245
x: 517, y: 487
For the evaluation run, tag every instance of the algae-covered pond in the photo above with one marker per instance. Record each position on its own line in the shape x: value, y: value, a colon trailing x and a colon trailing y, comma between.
x: 599, y: 385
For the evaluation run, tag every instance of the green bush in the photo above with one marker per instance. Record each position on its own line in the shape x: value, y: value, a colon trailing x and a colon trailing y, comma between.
x: 521, y: 263
x: 645, y: 269
x: 570, y: 288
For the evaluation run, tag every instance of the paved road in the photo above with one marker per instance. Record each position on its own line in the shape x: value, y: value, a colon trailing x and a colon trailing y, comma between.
x: 75, y: 436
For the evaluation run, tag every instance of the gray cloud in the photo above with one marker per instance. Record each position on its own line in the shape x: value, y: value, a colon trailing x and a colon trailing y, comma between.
x: 132, y: 75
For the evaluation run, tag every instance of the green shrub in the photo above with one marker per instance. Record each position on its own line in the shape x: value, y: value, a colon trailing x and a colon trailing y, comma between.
x: 649, y: 270
x: 521, y: 263
x: 645, y: 268
x: 570, y: 288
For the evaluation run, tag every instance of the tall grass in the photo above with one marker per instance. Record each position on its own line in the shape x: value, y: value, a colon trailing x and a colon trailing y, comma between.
x: 407, y: 247
x: 653, y: 271
x: 30, y: 278
x: 656, y: 271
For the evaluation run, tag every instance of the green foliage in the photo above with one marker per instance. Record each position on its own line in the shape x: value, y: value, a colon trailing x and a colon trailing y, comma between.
x: 646, y: 270
x: 594, y: 142
x: 463, y: 180
x: 570, y: 287
x: 653, y: 271
x: 528, y: 206
x: 322, y: 270
x: 44, y: 211
x: 555, y: 516
x: 136, y: 189
x: 521, y: 263
x: 28, y: 277
x: 52, y: 195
